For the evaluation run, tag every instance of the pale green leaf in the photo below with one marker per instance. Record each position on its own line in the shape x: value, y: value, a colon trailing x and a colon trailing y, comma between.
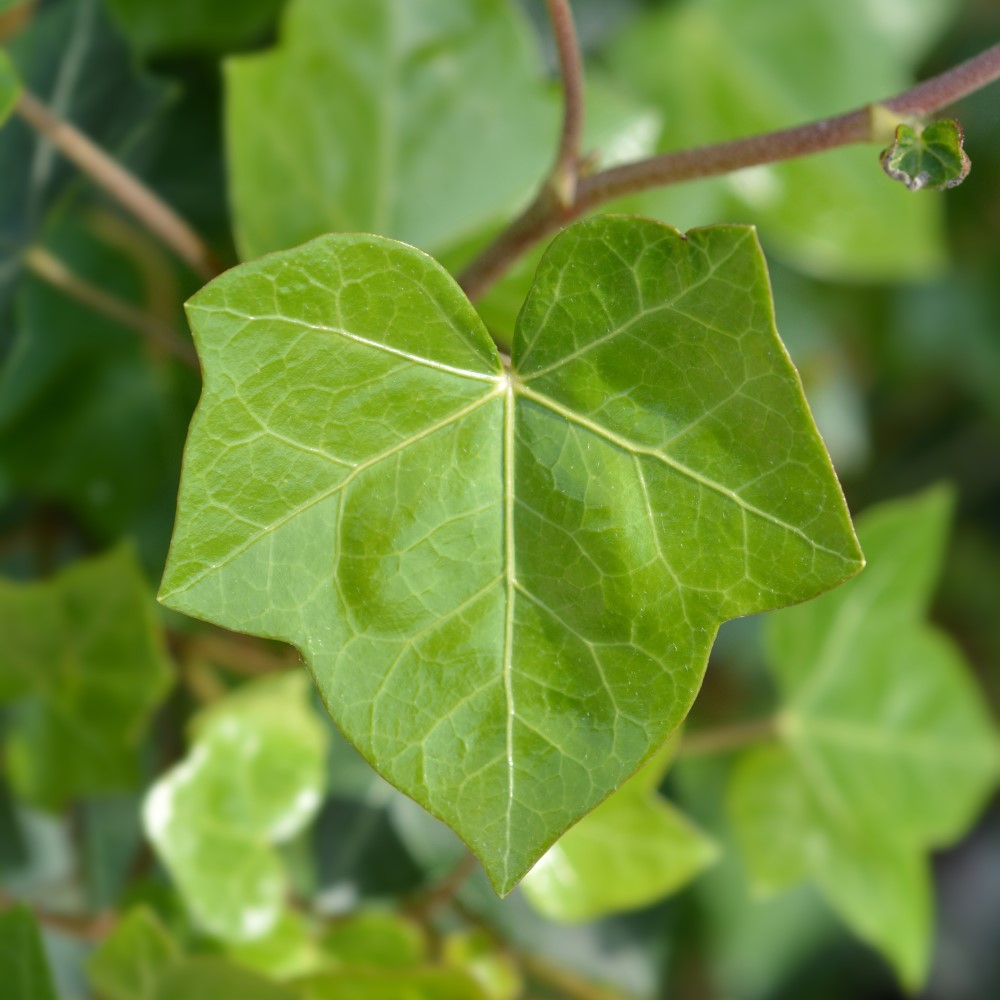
x: 377, y: 938
x: 389, y: 984
x: 10, y: 86
x: 24, y: 971
x: 929, y: 158
x: 84, y: 660
x: 632, y: 850
x: 214, y: 979
x: 419, y: 120
x: 288, y: 949
x: 720, y: 69
x: 881, y: 889
x: 879, y: 708
x: 506, y: 583
x: 129, y: 962
x: 254, y: 778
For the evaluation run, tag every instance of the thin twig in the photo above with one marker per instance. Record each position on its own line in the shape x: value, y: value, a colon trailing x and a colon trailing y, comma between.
x: 544, y: 216
x: 52, y: 270
x: 565, y: 170
x: 84, y: 926
x: 236, y: 654
x: 123, y: 186
x: 722, y: 739
x: 444, y: 890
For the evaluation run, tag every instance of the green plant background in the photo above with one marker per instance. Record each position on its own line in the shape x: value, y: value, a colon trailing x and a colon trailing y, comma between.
x: 432, y: 122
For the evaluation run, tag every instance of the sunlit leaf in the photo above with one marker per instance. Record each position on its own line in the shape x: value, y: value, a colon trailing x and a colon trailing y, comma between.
x: 632, y: 850
x: 85, y: 665
x: 929, y: 158
x: 129, y: 963
x: 506, y: 583
x: 889, y: 750
x: 254, y: 778
x: 23, y: 969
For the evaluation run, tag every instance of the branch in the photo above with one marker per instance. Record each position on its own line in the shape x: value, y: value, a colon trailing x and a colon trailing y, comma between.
x: 444, y: 890
x: 722, y: 739
x: 545, y: 216
x: 49, y: 268
x: 563, y: 177
x: 121, y: 185
x: 86, y: 927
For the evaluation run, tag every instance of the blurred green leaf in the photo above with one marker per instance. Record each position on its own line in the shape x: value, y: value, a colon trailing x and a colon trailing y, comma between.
x: 376, y: 938
x: 491, y: 965
x: 423, y: 121
x: 24, y: 971
x: 210, y: 26
x: 890, y: 749
x: 10, y: 86
x: 84, y: 659
x: 377, y: 984
x: 929, y: 158
x: 719, y: 69
x: 216, y: 979
x: 629, y: 553
x: 253, y: 778
x: 632, y: 850
x: 129, y: 963
x: 288, y: 949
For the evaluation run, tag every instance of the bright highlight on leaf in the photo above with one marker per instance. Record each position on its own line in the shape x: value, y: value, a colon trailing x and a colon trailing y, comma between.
x: 632, y: 850
x: 888, y: 749
x: 506, y: 583
x: 84, y: 666
x: 931, y: 158
x: 254, y: 778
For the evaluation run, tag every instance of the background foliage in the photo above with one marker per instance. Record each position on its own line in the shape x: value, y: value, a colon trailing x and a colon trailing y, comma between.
x: 300, y: 874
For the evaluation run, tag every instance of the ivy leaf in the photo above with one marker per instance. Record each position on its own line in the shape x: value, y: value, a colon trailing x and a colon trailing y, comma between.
x: 632, y: 850
x: 506, y: 583
x: 192, y: 25
x: 254, y: 778
x: 23, y: 969
x: 870, y: 780
x: 85, y: 666
x: 929, y: 158
x: 129, y: 962
x: 376, y: 938
x: 423, y: 121
x: 10, y: 86
x: 205, y: 978
x: 390, y: 984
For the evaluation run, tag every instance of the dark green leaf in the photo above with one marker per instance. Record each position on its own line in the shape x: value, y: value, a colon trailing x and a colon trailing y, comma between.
x: 929, y: 158
x: 85, y: 661
x: 503, y: 555
x: 24, y: 972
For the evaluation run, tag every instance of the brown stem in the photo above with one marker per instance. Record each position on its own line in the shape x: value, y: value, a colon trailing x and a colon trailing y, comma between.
x: 563, y: 177
x: 123, y: 186
x: 236, y: 654
x: 445, y: 890
x: 83, y: 926
x: 52, y: 270
x: 546, y: 215
x: 722, y: 739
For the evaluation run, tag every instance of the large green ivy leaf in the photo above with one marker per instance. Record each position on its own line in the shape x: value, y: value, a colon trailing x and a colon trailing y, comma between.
x: 414, y: 118
x: 84, y: 663
x: 719, y: 69
x: 254, y: 778
x: 506, y: 582
x: 23, y: 969
x: 632, y: 850
x: 889, y: 749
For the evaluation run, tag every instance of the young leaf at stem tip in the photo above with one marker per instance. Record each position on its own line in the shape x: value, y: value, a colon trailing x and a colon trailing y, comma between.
x: 928, y: 159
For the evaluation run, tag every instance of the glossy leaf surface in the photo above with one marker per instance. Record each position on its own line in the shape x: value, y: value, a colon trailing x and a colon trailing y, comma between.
x: 254, y: 778
x: 129, y: 962
x: 889, y: 750
x: 418, y: 120
x: 84, y: 665
x: 632, y: 850
x: 506, y: 583
x: 930, y: 158
x: 24, y: 972
x: 720, y: 69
